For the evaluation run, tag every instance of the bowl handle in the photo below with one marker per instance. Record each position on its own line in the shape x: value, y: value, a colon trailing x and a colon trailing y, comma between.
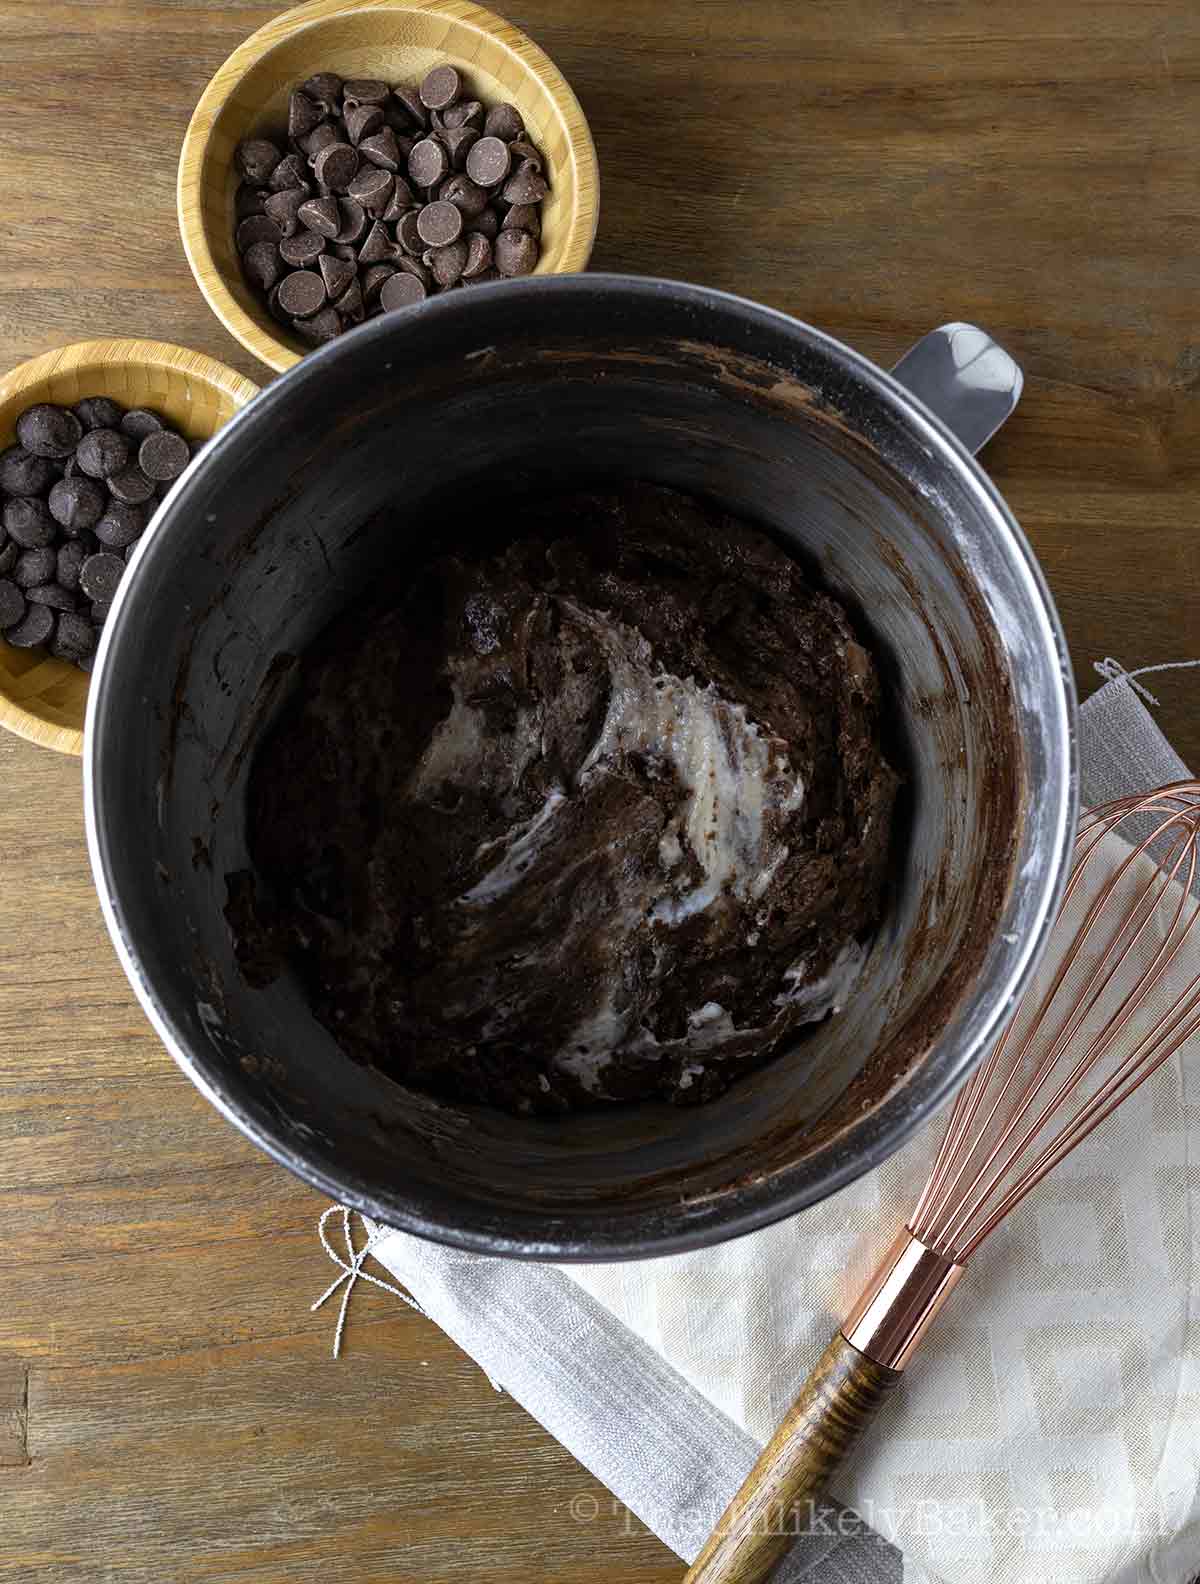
x: 965, y: 378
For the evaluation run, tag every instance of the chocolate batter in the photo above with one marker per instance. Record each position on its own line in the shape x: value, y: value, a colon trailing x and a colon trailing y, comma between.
x: 600, y: 815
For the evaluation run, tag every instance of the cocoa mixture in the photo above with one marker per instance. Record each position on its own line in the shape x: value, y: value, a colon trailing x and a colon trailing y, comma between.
x: 599, y: 815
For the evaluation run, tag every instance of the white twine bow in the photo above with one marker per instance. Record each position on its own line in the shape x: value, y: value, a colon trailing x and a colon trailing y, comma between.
x: 352, y: 1268
x: 1112, y: 671
x: 352, y: 1271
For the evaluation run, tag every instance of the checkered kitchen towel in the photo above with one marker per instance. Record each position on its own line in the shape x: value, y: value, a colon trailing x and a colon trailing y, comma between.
x: 1050, y: 1430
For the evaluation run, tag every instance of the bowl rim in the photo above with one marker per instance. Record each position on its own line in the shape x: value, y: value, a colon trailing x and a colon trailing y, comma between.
x: 875, y: 1136
x: 219, y: 88
x: 78, y: 355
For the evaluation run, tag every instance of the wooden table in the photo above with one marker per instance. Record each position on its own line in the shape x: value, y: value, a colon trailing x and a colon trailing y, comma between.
x: 168, y: 1407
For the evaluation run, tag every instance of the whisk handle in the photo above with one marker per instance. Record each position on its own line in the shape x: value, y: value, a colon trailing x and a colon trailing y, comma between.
x: 836, y: 1404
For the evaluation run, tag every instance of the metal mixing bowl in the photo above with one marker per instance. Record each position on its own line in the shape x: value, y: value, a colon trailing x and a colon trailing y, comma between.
x: 365, y: 448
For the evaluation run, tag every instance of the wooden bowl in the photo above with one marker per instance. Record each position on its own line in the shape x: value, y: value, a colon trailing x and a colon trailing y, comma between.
x: 397, y: 40
x: 41, y: 698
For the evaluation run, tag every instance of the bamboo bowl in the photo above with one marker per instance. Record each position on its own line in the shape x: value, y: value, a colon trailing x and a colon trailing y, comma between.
x: 41, y: 698
x: 398, y: 41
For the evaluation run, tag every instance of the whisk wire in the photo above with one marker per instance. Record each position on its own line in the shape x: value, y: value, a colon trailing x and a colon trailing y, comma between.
x: 990, y: 1156
x: 1099, y: 980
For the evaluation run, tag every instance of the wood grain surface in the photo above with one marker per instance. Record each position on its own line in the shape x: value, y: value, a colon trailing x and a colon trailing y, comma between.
x: 168, y: 1409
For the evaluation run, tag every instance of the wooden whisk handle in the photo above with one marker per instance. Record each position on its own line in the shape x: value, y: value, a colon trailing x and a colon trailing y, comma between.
x: 836, y: 1404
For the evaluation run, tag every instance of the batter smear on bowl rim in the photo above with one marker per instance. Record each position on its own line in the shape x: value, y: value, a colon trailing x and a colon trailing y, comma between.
x: 598, y: 814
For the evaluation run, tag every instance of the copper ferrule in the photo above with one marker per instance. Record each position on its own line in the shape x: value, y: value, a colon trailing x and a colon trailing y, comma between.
x: 900, y: 1301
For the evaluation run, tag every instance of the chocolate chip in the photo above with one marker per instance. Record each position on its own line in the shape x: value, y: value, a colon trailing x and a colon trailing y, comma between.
x: 120, y: 525
x: 163, y: 456
x: 365, y: 90
x: 52, y: 594
x: 322, y: 137
x: 258, y: 228
x: 324, y: 89
x: 373, y: 280
x: 98, y: 412
x: 49, y: 431
x: 28, y: 522
x: 22, y: 473
x: 291, y: 173
x: 401, y: 290
x: 377, y: 247
x: 323, y: 326
x: 68, y: 562
x: 77, y: 502
x: 284, y: 209
x: 504, y: 122
x: 383, y: 150
x: 446, y: 263
x: 100, y: 576
x: 523, y: 217
x: 337, y: 274
x: 74, y: 638
x: 139, y: 422
x: 466, y: 113
x: 301, y: 250
x: 103, y: 452
x: 256, y: 159
x: 373, y: 188
x: 515, y: 252
x: 35, y: 566
x: 12, y: 603
x: 487, y: 224
x: 263, y: 263
x: 407, y: 234
x: 429, y: 162
x: 459, y: 142
x: 320, y: 215
x: 350, y: 304
x: 250, y: 200
x: 34, y: 629
x: 439, y: 224
x: 523, y: 151
x: 303, y: 114
x: 354, y: 220
x: 440, y: 88
x: 410, y: 99
x: 488, y: 161
x: 363, y: 121
x: 479, y: 255
x: 131, y: 486
x: 336, y: 166
x: 464, y: 194
x: 525, y: 187
x: 302, y: 294
x: 412, y: 266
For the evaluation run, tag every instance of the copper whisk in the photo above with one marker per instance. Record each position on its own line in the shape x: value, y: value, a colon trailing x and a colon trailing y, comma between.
x: 1074, y: 1049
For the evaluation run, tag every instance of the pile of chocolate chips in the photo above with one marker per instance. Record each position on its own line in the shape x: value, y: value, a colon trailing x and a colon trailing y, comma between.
x: 384, y: 196
x: 76, y: 493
